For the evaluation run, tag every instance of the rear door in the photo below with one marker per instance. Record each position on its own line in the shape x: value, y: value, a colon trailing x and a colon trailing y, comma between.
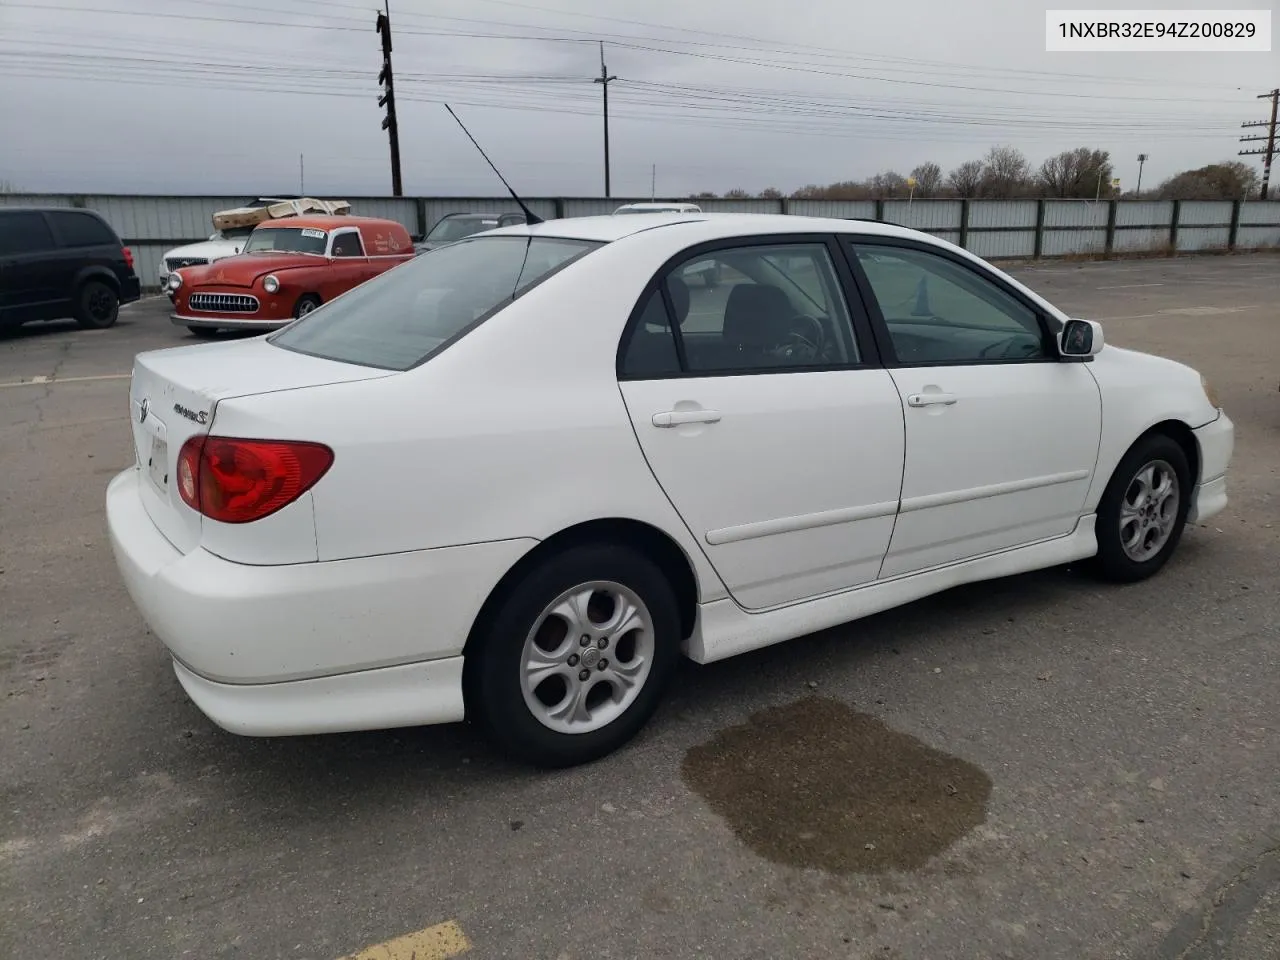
x: 28, y: 264
x: 765, y: 417
x: 1001, y: 436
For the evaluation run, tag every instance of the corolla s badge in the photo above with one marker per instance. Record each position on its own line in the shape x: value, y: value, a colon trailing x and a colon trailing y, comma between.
x: 195, y: 416
x: 142, y: 410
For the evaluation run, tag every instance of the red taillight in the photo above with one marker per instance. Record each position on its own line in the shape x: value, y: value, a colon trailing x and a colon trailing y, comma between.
x: 236, y: 481
x: 128, y: 256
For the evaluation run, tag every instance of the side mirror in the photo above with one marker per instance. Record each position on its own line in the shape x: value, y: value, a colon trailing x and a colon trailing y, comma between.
x: 1080, y: 339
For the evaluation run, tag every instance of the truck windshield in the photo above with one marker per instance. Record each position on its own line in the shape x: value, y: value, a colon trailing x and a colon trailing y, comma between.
x: 287, y: 239
x: 456, y: 229
x: 399, y: 319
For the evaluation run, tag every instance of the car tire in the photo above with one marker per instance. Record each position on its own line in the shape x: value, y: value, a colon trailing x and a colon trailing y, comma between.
x: 549, y: 716
x: 97, y: 305
x: 306, y: 303
x: 1143, y: 510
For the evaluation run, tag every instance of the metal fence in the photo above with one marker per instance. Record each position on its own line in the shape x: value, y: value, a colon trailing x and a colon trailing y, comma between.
x: 995, y: 229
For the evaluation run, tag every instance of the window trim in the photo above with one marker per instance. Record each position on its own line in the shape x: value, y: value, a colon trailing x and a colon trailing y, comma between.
x: 884, y: 339
x: 862, y: 329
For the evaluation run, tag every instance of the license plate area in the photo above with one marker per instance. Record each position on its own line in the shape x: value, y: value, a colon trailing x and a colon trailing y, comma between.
x: 158, y: 463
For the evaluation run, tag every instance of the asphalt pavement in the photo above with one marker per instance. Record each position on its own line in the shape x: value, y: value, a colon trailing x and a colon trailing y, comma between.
x: 1039, y: 767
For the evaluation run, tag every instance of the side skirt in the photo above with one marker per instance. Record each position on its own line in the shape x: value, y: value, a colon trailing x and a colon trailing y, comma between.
x: 724, y: 629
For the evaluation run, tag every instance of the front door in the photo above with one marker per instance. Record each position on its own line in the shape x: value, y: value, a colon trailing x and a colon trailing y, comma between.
x: 765, y: 418
x: 1001, y: 436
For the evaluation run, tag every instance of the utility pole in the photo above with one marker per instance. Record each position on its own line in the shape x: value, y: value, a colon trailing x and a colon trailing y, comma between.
x: 604, y: 80
x: 302, y: 174
x: 653, y: 181
x: 1269, y: 151
x: 388, y: 98
x: 1142, y: 158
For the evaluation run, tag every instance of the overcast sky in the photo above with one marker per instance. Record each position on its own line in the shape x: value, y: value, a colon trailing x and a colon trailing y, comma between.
x: 222, y: 96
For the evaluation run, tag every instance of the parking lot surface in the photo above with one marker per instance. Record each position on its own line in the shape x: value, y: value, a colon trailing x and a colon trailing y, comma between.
x: 1040, y: 767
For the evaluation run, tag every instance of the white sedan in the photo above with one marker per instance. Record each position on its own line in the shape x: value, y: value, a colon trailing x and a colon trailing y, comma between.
x: 515, y: 479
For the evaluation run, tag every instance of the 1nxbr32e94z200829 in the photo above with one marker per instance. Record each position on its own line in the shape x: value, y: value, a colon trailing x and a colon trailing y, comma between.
x: 517, y: 478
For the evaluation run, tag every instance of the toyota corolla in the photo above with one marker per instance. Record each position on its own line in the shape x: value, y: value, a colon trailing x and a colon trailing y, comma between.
x: 516, y: 479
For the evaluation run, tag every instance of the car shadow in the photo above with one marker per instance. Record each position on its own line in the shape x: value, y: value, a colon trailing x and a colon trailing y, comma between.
x: 51, y: 328
x: 454, y: 763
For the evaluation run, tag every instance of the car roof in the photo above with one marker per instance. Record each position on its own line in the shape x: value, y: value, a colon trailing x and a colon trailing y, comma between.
x: 326, y: 222
x: 707, y: 226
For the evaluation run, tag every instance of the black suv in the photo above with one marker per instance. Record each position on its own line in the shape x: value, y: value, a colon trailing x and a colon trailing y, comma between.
x: 62, y: 262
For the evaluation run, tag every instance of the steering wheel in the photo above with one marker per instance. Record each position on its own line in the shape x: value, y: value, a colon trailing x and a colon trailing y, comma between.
x: 1001, y: 347
x: 806, y: 339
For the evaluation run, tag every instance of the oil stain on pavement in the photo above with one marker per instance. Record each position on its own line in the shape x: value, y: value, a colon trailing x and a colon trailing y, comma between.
x: 817, y: 784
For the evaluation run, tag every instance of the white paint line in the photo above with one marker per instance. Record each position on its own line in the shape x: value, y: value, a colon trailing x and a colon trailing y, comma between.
x: 1136, y: 316
x: 1130, y: 286
x: 47, y: 382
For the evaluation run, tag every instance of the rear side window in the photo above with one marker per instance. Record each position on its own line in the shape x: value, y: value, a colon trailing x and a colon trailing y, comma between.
x: 24, y: 233
x: 400, y: 318
x: 82, y: 230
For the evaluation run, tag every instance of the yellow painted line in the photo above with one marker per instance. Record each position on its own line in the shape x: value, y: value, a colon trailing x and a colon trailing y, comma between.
x: 51, y: 381
x: 440, y: 942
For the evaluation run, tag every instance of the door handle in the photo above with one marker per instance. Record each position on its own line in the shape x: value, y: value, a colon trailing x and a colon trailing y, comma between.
x: 674, y: 418
x: 929, y: 399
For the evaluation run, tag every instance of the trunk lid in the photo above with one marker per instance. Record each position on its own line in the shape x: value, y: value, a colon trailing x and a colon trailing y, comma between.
x: 174, y: 395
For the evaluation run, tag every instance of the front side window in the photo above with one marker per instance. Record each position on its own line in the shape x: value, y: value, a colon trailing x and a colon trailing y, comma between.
x: 768, y: 307
x: 400, y: 318
x: 287, y: 240
x: 938, y: 311
x: 348, y: 245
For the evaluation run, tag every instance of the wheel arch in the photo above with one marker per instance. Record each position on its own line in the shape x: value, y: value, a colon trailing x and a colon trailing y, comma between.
x: 647, y: 539
x: 95, y: 272
x: 1181, y: 433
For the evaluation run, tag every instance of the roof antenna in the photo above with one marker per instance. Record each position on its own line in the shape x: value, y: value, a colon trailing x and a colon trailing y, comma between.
x: 529, y: 215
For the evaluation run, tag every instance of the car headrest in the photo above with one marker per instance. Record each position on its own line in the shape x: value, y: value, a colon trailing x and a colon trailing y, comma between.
x: 756, y: 314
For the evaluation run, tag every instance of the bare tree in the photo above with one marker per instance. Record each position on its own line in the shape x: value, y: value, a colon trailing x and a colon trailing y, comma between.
x: 966, y: 179
x: 7, y: 186
x: 704, y: 195
x: 1006, y: 172
x: 887, y: 185
x: 844, y: 190
x: 1077, y: 173
x: 928, y: 177
x: 737, y: 193
x: 770, y: 193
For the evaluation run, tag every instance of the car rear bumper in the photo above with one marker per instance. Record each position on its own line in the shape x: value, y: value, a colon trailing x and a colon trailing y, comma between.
x: 310, y: 647
x: 130, y: 289
x: 409, y: 695
x: 226, y: 323
x: 1216, y: 442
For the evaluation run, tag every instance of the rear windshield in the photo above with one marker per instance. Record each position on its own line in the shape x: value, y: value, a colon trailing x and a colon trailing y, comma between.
x: 289, y: 239
x: 399, y: 319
